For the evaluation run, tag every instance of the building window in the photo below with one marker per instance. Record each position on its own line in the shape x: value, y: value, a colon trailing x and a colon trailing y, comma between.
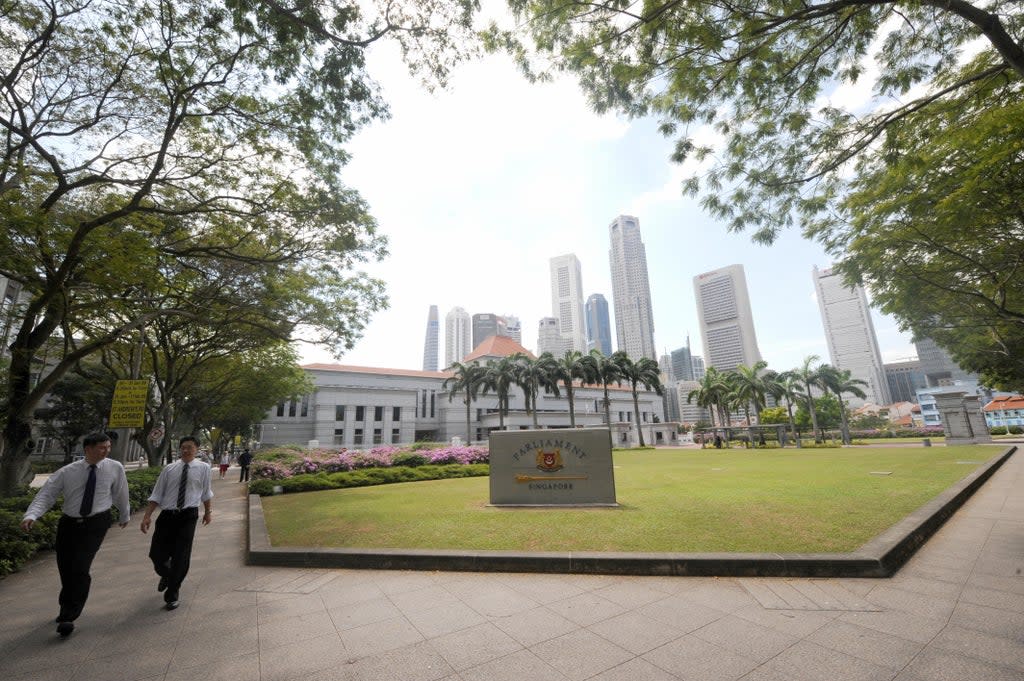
x: 305, y: 406
x: 396, y: 413
x: 479, y: 414
x: 377, y: 437
x: 339, y: 412
x: 423, y: 404
x: 280, y: 408
x: 291, y: 407
x: 360, y: 414
x: 378, y: 413
x: 432, y: 395
x: 339, y: 436
x: 644, y: 414
x: 357, y: 436
x: 395, y: 436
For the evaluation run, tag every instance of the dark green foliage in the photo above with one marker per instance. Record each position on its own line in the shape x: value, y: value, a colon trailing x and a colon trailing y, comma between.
x: 409, y: 459
x: 366, y: 477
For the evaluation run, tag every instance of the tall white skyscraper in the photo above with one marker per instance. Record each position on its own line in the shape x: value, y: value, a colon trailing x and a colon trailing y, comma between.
x: 726, y: 322
x: 567, y: 300
x: 457, y: 336
x: 631, y: 289
x: 430, y: 343
x: 852, y: 344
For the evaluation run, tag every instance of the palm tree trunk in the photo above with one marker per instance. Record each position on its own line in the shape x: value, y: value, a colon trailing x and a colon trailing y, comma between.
x: 814, y: 416
x: 468, y: 421
x: 845, y: 423
x: 792, y: 423
x: 636, y: 416
x: 572, y: 406
x: 607, y: 408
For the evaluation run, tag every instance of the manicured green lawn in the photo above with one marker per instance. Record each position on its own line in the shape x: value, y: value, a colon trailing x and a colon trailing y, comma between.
x: 810, y: 500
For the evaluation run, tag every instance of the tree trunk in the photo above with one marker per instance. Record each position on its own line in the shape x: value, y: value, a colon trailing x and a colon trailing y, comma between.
x: 814, y: 416
x: 636, y: 415
x: 469, y: 424
x: 607, y: 408
x: 572, y: 407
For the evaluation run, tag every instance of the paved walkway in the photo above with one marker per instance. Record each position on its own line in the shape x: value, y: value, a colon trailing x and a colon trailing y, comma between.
x: 955, y: 612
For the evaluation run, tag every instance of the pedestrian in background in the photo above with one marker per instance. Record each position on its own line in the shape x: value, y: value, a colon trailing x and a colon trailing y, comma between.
x: 90, y: 487
x: 179, y: 490
x: 225, y: 461
x: 244, y: 459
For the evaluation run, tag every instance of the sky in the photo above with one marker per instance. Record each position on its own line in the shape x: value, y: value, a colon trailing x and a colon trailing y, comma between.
x: 477, y: 186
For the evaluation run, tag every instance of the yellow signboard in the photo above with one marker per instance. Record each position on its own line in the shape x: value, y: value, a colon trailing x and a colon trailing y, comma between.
x: 238, y: 439
x: 128, y: 410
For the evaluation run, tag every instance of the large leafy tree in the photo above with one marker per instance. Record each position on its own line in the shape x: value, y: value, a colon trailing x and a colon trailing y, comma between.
x: 500, y: 376
x: 135, y: 134
x: 535, y: 375
x: 889, y: 130
x: 761, y: 74
x: 840, y: 382
x: 605, y: 371
x: 937, y: 233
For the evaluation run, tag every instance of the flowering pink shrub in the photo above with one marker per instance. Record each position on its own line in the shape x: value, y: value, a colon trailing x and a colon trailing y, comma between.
x: 281, y: 463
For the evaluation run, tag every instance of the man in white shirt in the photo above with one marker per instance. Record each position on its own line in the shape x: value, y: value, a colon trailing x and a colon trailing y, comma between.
x: 90, y: 487
x: 179, y: 490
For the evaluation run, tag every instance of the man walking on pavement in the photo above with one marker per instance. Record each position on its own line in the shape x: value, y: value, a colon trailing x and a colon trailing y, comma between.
x: 90, y: 487
x: 180, y: 488
x: 244, y: 460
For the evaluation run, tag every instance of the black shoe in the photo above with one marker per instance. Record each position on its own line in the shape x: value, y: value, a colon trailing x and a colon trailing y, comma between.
x: 162, y: 585
x: 172, y: 605
x: 65, y: 628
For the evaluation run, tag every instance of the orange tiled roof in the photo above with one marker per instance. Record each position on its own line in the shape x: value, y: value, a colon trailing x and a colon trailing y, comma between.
x: 376, y: 370
x: 1002, y: 403
x: 497, y: 346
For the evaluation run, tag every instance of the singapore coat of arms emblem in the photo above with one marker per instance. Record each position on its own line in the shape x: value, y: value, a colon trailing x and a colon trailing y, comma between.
x: 549, y: 461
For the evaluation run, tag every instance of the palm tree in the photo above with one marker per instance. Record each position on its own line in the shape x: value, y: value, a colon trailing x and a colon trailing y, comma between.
x: 840, y: 381
x: 499, y: 376
x: 465, y: 378
x: 533, y: 375
x: 785, y: 386
x: 749, y: 387
x: 713, y: 392
x: 605, y: 372
x: 810, y: 378
x: 646, y: 372
x: 572, y: 366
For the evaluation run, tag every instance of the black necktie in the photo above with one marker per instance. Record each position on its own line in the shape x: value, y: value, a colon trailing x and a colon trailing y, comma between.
x: 90, y: 491
x: 182, y: 485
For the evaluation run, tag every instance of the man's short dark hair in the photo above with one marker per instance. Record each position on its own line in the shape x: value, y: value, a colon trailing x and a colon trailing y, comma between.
x: 188, y: 438
x: 95, y: 439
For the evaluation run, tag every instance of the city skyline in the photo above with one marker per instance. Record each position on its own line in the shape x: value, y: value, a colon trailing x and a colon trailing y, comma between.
x: 480, y: 214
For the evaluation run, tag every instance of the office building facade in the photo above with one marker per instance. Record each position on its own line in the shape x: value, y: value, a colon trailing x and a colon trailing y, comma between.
x: 599, y: 327
x: 567, y: 300
x: 726, y: 321
x: 432, y: 340
x: 904, y: 379
x: 457, y: 336
x: 938, y: 367
x: 850, y: 334
x: 550, y: 338
x: 631, y: 289
x: 486, y: 325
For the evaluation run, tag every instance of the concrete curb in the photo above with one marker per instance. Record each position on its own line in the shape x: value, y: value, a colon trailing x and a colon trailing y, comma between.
x: 880, y: 557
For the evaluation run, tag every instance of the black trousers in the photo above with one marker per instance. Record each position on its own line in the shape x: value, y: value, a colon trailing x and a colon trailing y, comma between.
x: 171, y: 547
x: 244, y: 474
x: 78, y: 540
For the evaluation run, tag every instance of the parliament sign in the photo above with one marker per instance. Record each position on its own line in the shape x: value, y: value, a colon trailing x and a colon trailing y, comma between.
x: 557, y: 467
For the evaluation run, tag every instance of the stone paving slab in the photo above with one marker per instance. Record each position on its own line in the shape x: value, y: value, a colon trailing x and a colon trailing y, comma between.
x: 242, y: 622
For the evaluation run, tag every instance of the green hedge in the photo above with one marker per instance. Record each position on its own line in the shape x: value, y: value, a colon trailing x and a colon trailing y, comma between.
x: 365, y: 477
x: 16, y: 547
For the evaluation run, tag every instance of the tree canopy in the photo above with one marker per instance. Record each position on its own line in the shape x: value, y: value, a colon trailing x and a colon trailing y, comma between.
x: 147, y: 141
x: 889, y: 130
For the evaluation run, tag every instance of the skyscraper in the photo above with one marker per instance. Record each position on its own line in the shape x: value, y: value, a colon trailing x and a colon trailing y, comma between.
x: 682, y: 363
x: 456, y: 336
x: 726, y: 322
x: 599, y: 328
x: 631, y: 289
x: 513, y: 328
x: 550, y: 338
x: 698, y: 367
x: 486, y: 325
x: 938, y: 367
x: 567, y: 300
x: 850, y: 334
x: 431, y: 342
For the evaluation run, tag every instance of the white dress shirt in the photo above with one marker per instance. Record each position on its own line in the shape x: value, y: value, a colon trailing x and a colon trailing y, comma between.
x: 111, y: 490
x: 198, y: 487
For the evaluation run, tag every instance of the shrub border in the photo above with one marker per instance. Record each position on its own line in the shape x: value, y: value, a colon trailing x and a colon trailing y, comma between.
x: 879, y: 557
